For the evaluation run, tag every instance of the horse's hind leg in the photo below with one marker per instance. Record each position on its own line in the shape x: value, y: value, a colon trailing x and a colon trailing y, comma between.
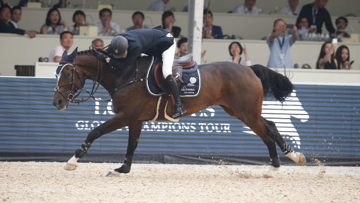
x: 297, y: 157
x: 266, y: 133
x: 134, y: 135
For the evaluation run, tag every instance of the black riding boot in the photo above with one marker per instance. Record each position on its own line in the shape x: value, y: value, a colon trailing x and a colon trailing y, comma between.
x: 173, y: 86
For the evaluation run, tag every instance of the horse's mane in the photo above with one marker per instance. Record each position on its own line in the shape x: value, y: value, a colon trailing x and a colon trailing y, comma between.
x: 88, y: 52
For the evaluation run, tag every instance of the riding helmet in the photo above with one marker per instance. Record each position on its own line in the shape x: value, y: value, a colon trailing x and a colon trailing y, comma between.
x: 119, y: 45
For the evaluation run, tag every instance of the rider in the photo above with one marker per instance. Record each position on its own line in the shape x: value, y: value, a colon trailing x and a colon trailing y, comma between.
x: 154, y: 42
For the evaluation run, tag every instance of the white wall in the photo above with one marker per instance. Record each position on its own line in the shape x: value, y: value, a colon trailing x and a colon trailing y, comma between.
x: 20, y: 50
x: 247, y: 26
x: 47, y: 70
x: 335, y: 7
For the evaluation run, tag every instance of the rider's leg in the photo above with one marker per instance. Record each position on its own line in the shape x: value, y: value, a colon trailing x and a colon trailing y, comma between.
x: 168, y: 60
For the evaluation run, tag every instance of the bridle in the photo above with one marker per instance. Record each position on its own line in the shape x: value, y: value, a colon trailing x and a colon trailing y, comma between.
x: 71, y: 97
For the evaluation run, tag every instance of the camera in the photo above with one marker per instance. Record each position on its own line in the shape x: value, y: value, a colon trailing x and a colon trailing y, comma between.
x: 289, y: 26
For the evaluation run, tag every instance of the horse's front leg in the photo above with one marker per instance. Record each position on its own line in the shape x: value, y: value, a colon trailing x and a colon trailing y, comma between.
x: 134, y: 135
x: 116, y: 122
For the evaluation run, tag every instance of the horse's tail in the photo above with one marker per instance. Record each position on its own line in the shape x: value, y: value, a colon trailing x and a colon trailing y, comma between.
x: 273, y: 83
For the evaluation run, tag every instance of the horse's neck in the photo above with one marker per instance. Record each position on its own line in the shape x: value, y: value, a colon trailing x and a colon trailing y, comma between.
x: 111, y: 79
x: 99, y: 71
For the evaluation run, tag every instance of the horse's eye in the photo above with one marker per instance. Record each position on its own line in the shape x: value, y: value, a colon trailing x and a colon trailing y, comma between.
x: 67, y: 75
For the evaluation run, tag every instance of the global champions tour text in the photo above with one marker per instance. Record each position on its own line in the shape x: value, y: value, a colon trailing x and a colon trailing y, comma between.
x: 203, y: 127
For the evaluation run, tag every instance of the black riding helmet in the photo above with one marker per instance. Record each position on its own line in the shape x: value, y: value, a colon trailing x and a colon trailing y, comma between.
x: 119, y: 45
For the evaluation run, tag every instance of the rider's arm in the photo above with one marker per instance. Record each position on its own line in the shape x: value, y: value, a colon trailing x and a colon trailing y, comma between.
x: 125, y: 63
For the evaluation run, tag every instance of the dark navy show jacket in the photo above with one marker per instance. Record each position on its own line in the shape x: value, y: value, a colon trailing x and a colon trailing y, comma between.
x: 152, y: 42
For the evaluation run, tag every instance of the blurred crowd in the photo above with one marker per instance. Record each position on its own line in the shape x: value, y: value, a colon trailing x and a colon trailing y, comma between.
x: 308, y: 27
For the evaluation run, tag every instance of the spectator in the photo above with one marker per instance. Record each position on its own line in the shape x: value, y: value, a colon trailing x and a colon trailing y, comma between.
x: 279, y: 44
x: 342, y: 58
x: 98, y: 43
x: 168, y: 20
x: 66, y: 41
x: 182, y: 47
x: 235, y: 51
x: 247, y: 8
x: 61, y: 4
x: 326, y: 58
x: 317, y: 14
x: 291, y: 8
x: 105, y: 27
x: 211, y: 31
x: 79, y: 19
x: 341, y: 24
x: 7, y: 27
x: 160, y: 5
x: 53, y: 23
x: 138, y: 20
x: 303, y: 28
x: 15, y: 16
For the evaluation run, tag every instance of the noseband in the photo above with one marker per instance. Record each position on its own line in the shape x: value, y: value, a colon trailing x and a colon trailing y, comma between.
x: 71, y: 97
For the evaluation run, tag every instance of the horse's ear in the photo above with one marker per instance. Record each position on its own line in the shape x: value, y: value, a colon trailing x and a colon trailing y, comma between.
x: 64, y: 54
x: 75, y: 51
x: 73, y: 55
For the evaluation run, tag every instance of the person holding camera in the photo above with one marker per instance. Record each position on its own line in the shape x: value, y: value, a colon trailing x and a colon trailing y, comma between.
x: 326, y: 59
x: 279, y: 44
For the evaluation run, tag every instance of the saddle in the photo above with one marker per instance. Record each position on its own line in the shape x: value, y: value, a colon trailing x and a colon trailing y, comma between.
x: 184, y: 62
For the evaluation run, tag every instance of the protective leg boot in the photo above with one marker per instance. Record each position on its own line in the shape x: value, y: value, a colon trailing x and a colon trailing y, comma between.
x: 173, y: 86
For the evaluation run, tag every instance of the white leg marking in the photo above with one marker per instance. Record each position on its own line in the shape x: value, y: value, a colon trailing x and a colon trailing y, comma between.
x: 297, y: 157
x: 113, y: 173
x: 271, y: 172
x: 72, y: 164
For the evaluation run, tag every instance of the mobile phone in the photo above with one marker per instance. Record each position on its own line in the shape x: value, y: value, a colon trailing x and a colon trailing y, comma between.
x: 334, y: 41
x: 351, y: 62
x: 289, y: 26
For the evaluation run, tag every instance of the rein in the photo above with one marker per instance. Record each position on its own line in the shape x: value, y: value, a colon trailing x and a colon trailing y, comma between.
x: 73, y: 95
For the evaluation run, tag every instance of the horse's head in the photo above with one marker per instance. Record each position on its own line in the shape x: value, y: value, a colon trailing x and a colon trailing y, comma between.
x: 69, y: 81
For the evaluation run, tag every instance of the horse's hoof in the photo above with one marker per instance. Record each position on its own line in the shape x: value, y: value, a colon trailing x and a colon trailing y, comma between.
x: 70, y: 167
x: 113, y: 173
x: 302, y: 159
x: 271, y: 172
x: 297, y: 157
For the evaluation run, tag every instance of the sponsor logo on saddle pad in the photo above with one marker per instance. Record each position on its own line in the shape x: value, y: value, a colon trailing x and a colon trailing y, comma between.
x: 193, y: 80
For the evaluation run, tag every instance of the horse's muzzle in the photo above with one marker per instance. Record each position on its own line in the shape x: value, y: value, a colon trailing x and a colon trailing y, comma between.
x: 60, y: 104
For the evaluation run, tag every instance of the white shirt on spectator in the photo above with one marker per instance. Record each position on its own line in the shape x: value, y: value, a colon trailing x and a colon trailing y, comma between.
x: 242, y: 62
x: 287, y: 11
x: 157, y: 6
x: 57, y: 51
x: 15, y: 24
x: 110, y: 32
x: 242, y: 9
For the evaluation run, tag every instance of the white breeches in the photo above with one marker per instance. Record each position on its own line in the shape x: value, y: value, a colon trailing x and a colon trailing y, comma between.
x: 168, y: 60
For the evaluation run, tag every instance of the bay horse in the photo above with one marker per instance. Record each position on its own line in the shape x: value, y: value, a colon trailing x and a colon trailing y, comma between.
x: 238, y: 89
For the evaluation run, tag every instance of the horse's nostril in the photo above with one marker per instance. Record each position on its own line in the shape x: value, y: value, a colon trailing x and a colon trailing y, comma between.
x: 59, y: 102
